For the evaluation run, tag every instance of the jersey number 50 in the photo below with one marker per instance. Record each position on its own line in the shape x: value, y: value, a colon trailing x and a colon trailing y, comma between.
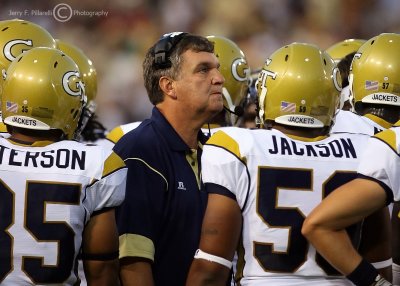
x: 270, y: 181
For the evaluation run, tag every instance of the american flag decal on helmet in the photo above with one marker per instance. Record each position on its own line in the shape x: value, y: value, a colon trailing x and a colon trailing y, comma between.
x: 288, y: 106
x: 11, y: 106
x: 371, y: 85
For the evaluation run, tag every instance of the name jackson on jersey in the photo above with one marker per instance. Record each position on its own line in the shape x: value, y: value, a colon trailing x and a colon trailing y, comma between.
x: 60, y: 158
x: 339, y: 148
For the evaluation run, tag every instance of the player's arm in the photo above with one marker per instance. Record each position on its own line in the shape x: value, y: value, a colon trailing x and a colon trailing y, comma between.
x: 219, y: 238
x: 136, y: 271
x: 376, y: 246
x: 396, y: 243
x: 325, y: 226
x: 100, y: 249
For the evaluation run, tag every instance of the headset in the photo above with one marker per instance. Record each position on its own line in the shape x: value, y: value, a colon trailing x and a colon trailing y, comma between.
x: 162, y: 51
x: 238, y: 110
x: 164, y: 47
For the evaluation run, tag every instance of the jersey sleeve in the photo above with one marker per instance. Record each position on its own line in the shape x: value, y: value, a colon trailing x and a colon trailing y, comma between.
x: 224, y: 165
x: 139, y: 217
x: 115, y: 134
x: 381, y: 162
x: 109, y: 190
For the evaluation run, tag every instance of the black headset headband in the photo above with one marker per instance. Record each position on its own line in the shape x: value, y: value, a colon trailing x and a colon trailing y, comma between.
x: 164, y: 48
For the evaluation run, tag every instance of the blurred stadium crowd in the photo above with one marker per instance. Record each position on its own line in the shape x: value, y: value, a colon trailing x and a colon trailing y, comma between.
x: 118, y: 40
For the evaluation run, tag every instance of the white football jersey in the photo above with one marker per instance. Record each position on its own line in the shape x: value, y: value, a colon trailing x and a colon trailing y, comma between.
x: 102, y: 142
x: 117, y: 132
x: 210, y: 131
x: 48, y: 192
x: 381, y: 160
x: 277, y: 181
x: 350, y: 122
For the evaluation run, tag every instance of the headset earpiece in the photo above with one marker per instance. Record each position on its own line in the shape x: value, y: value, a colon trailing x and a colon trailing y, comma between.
x: 164, y: 47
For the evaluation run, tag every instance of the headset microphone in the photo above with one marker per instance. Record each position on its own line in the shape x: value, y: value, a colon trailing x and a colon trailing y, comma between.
x: 238, y: 110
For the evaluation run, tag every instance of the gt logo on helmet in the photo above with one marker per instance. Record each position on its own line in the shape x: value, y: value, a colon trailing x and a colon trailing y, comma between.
x: 7, y: 48
x: 240, y: 70
x: 79, y: 84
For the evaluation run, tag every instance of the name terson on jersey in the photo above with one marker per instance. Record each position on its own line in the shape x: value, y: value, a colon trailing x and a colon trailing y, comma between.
x: 339, y: 148
x: 61, y: 158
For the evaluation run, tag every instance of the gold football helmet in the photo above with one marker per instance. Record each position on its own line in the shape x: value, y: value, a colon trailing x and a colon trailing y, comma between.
x: 43, y: 90
x: 89, y: 77
x: 341, y: 49
x: 86, y: 68
x: 17, y: 36
x: 236, y: 71
x: 374, y: 73
x: 299, y: 85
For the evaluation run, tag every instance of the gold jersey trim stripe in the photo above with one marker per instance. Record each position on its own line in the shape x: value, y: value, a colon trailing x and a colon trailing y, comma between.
x: 379, y: 120
x: 135, y: 245
x: 223, y: 140
x: 115, y: 134
x: 112, y: 163
x: 3, y: 128
x: 389, y: 137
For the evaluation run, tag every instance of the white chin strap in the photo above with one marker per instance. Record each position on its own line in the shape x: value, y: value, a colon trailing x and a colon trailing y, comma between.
x: 351, y: 95
x: 231, y: 106
x: 344, y: 96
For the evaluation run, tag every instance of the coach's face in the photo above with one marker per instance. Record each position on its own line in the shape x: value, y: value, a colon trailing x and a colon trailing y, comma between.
x: 199, y: 84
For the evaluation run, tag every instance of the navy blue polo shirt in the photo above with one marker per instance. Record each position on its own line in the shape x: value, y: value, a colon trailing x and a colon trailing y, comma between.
x: 164, y: 204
